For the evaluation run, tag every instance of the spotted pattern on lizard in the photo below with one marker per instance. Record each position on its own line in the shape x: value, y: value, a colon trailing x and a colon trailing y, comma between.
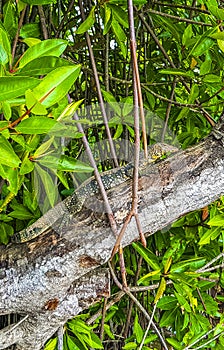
x: 73, y: 204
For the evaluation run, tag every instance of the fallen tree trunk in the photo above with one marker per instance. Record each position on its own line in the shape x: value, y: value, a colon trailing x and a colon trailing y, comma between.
x: 34, y: 273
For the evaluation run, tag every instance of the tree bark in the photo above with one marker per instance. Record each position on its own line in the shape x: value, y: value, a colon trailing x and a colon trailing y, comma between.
x: 43, y: 270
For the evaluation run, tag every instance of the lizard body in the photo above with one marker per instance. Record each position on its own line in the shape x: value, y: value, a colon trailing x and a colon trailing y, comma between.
x: 74, y: 203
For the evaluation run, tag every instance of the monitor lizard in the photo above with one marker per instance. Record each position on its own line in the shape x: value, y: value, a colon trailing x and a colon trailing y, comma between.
x: 64, y: 210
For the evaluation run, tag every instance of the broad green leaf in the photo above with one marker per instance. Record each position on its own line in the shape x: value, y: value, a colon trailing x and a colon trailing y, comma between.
x: 129, y: 346
x: 64, y: 163
x: 70, y: 110
x: 209, y: 235
x: 155, y: 274
x: 112, y: 101
x: 31, y: 31
x: 39, y: 2
x: 217, y: 220
x: 51, y: 344
x: 88, y: 23
x: 202, y: 46
x: 107, y: 19
x: 120, y: 36
x: 190, y: 264
x: 31, y: 42
x: 49, y: 185
x: 167, y: 303
x: 36, y: 125
x: 21, y: 213
x: 161, y: 290
x: 5, y: 47
x: 43, y: 148
x: 10, y: 18
x: 6, y: 109
x: 183, y: 302
x: 215, y: 11
x: 7, y: 154
x: 5, y: 232
x: 12, y: 87
x: 193, y: 93
x: 33, y: 104
x: 187, y: 34
x: 175, y: 343
x: 12, y: 176
x: 168, y: 318
x: 212, y: 78
x: 149, y: 257
x: 50, y: 47
x: 176, y: 71
x: 56, y: 84
x: 119, y: 14
x: 138, y: 329
x: 43, y: 65
x: 26, y: 167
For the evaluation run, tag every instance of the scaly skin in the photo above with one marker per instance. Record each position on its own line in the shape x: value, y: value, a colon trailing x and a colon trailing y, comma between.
x: 63, y: 211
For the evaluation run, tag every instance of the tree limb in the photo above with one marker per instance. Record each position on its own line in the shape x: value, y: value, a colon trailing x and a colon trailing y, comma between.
x: 36, y: 272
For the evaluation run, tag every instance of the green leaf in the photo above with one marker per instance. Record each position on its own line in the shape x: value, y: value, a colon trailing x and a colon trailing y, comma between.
x: 43, y: 65
x: 168, y: 318
x: 167, y: 303
x: 56, y: 84
x: 5, y: 47
x: 210, y: 235
x: 50, y: 47
x: 202, y: 46
x: 161, y: 290
x: 33, y: 104
x: 88, y: 23
x: 138, y: 329
x: 187, y: 34
x: 176, y: 71
x: 175, y: 343
x: 12, y: 87
x: 6, y: 109
x: 149, y: 257
x: 120, y: 36
x: 217, y: 220
x: 7, y: 154
x: 6, y: 231
x: 129, y: 346
x: 21, y: 213
x: 39, y: 2
x: 65, y: 163
x: 31, y: 31
x: 26, y: 167
x: 183, y: 302
x: 43, y: 148
x: 51, y: 344
x: 215, y: 11
x: 10, y: 18
x: 49, y: 185
x: 191, y: 264
x: 36, y: 125
x: 107, y: 19
x: 119, y: 14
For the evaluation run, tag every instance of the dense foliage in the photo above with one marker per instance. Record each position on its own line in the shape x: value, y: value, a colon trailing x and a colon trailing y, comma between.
x: 46, y: 75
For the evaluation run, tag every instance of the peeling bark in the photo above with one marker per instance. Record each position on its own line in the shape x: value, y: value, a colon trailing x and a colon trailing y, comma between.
x: 36, y: 272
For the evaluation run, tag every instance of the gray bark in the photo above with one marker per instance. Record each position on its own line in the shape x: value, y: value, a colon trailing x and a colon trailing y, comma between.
x: 38, y: 271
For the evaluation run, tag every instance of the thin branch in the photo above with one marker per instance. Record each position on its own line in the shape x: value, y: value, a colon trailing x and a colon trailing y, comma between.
x: 43, y: 22
x: 100, y: 97
x: 17, y: 35
x: 179, y: 19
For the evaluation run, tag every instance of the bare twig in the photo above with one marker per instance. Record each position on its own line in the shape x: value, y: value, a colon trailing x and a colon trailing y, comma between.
x: 100, y: 97
x: 179, y: 19
x: 43, y: 22
x: 17, y: 35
